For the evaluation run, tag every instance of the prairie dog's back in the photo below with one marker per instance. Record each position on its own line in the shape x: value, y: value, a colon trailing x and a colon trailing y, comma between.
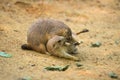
x: 47, y: 26
x: 42, y: 30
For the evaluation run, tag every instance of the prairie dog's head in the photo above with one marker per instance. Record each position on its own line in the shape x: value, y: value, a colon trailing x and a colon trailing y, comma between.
x: 55, y: 43
x: 71, y: 48
x: 60, y: 43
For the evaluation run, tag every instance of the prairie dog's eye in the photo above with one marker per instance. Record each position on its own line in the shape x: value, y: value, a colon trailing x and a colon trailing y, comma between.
x: 59, y: 41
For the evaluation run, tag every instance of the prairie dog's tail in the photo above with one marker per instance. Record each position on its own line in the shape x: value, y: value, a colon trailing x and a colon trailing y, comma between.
x: 83, y: 31
x: 26, y: 47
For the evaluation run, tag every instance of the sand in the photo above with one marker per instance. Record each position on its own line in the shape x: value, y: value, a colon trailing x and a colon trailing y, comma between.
x: 100, y: 17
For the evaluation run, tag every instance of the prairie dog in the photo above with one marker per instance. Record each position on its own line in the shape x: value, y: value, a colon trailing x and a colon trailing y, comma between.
x: 57, y: 46
x: 47, y: 30
x: 42, y: 31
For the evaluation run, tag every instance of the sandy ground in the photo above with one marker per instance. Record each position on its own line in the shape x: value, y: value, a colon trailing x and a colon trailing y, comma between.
x: 100, y: 17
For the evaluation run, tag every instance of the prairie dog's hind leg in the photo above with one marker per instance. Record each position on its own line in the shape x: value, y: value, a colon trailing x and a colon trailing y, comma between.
x: 41, y: 48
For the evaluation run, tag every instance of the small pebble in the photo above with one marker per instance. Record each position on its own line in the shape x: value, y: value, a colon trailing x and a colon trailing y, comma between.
x: 113, y: 75
x: 21, y: 68
x: 26, y: 78
x: 96, y: 44
x: 33, y: 65
x: 57, y: 68
x: 5, y: 55
x: 16, y: 31
x: 117, y: 42
x: 78, y: 64
x: 67, y: 20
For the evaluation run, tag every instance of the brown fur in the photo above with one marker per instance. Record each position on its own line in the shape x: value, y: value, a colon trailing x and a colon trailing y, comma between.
x: 42, y: 31
x: 57, y: 46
